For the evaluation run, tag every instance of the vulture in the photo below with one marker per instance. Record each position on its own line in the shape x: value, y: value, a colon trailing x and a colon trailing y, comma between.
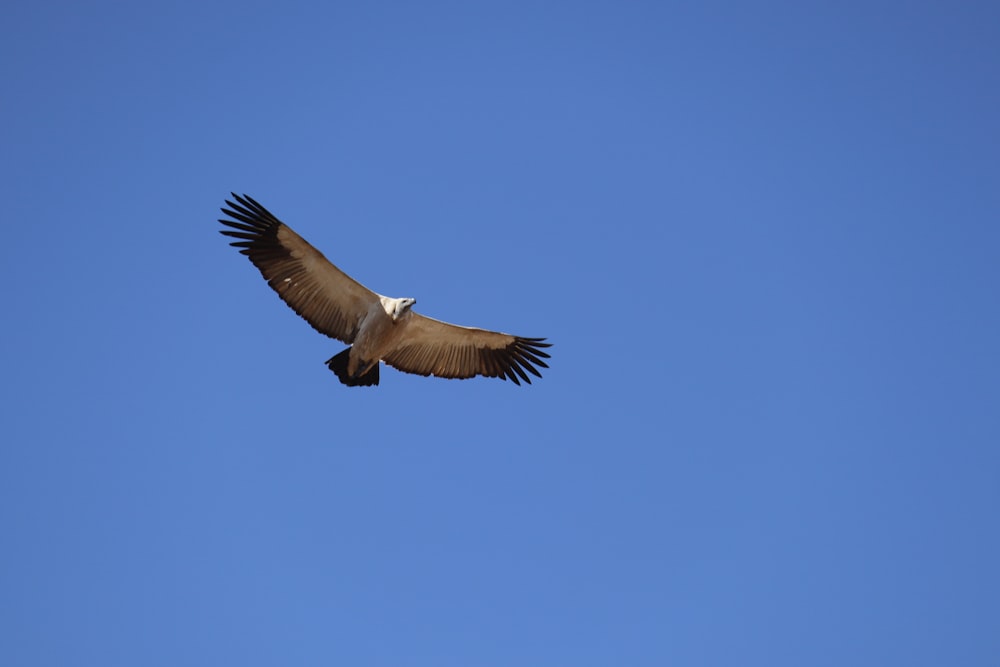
x: 377, y: 328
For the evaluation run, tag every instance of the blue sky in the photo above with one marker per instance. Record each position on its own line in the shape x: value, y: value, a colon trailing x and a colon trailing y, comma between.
x: 763, y: 238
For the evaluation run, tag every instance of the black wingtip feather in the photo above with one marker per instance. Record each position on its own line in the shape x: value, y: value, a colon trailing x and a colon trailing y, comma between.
x: 516, y: 361
x: 247, y: 220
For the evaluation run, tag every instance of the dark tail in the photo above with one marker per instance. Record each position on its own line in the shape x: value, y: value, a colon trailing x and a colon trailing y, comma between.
x: 338, y: 364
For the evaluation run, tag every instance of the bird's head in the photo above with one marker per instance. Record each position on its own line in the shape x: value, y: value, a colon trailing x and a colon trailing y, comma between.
x: 400, y: 306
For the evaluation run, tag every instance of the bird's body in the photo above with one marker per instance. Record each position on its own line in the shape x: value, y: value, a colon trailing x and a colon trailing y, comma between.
x: 379, y: 332
x: 378, y: 328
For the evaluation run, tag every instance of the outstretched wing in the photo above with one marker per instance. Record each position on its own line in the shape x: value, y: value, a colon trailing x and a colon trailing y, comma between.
x: 326, y: 297
x: 432, y: 347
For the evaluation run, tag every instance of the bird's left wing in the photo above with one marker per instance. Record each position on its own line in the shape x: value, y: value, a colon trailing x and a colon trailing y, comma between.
x: 432, y: 347
x: 326, y: 297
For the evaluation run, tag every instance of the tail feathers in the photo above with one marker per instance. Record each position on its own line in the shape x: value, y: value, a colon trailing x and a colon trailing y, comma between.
x: 338, y: 364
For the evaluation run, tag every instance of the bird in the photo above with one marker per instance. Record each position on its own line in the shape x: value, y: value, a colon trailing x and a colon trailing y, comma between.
x: 376, y: 328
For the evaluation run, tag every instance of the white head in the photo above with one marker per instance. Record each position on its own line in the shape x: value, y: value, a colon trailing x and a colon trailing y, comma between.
x: 396, y: 308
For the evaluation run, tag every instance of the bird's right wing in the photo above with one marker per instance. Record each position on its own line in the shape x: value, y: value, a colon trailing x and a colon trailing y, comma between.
x: 326, y: 297
x: 433, y: 347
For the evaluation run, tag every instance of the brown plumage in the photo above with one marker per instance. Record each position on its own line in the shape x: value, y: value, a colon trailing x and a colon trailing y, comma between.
x: 377, y: 327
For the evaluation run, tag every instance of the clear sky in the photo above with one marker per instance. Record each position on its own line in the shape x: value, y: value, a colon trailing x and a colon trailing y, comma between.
x: 763, y: 238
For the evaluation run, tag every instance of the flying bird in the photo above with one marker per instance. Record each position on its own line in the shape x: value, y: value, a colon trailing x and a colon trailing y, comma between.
x: 377, y: 328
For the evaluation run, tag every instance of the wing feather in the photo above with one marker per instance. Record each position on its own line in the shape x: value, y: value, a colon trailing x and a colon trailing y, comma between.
x: 326, y: 297
x: 432, y: 347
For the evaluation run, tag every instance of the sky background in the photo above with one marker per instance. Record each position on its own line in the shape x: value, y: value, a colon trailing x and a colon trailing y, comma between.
x: 763, y: 238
